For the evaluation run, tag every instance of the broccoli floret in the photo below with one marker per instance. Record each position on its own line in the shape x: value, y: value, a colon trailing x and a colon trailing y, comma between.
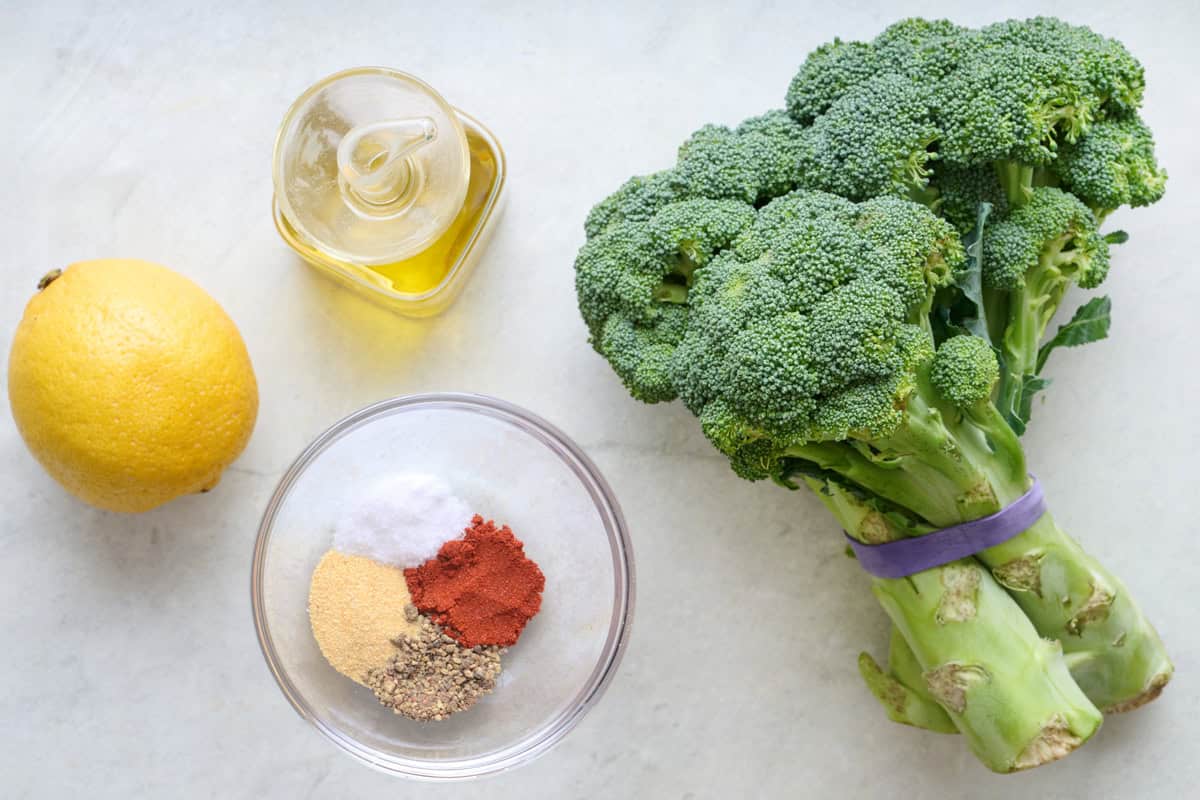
x: 1007, y: 97
x: 774, y: 123
x: 754, y: 163
x: 827, y: 73
x: 1010, y: 104
x: 1113, y: 165
x: 636, y: 201
x: 965, y: 370
x: 1030, y: 88
x: 1043, y: 245
x: 774, y: 142
x: 1030, y: 258
x: 713, y: 163
x: 633, y: 278
x: 874, y: 140
x: 803, y: 336
x: 1111, y: 75
x: 924, y: 50
x: 641, y: 352
x: 960, y: 190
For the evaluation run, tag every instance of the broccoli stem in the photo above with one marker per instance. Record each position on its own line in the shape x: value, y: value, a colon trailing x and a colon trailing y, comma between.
x: 995, y: 305
x: 948, y: 465
x: 904, y: 702
x: 670, y: 293
x: 1003, y: 686
x: 1017, y: 181
x: 1029, y: 310
x: 906, y: 670
x: 993, y: 660
x: 1115, y: 654
x: 942, y: 465
x: 1112, y: 650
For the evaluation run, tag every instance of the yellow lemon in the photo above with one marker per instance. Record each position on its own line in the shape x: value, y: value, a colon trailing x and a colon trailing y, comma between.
x: 129, y: 384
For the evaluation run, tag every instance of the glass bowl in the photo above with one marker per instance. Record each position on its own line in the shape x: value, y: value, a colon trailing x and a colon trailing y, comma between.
x: 511, y: 466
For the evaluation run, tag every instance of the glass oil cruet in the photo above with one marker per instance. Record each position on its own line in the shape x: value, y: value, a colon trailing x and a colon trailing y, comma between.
x: 382, y: 182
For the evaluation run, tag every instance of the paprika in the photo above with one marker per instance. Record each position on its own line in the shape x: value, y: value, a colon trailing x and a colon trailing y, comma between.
x: 480, y: 589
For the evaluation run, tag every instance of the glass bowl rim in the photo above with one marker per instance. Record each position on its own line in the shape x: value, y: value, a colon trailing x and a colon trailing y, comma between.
x: 616, y: 642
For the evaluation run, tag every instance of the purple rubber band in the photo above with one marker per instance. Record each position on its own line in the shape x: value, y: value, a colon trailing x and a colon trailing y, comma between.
x: 908, y: 556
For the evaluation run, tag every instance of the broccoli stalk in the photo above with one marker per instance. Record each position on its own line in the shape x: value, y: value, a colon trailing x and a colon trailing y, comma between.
x: 901, y: 688
x: 1114, y: 653
x: 959, y: 608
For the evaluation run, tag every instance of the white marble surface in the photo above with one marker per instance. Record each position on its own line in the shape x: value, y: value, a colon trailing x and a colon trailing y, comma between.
x: 130, y: 667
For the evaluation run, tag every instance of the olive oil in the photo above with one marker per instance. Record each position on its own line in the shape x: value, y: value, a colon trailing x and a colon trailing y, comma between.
x: 427, y: 270
x: 383, y: 185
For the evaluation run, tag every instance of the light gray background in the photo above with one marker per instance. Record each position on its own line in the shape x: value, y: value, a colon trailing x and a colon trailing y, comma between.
x: 130, y: 667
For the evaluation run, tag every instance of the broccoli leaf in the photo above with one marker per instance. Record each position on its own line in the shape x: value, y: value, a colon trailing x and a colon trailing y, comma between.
x: 958, y: 309
x: 1018, y: 416
x: 971, y: 315
x: 1089, y: 324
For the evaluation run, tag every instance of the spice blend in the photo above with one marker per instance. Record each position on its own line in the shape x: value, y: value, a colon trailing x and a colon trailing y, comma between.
x: 481, y: 589
x: 427, y: 639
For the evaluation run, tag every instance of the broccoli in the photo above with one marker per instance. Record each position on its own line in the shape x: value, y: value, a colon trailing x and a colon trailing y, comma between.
x: 1031, y: 85
x: 804, y: 347
x: 1034, y: 112
x: 1106, y: 70
x: 964, y: 372
x: 824, y: 289
x: 828, y: 73
x: 633, y: 277
x: 960, y: 190
x: 923, y: 51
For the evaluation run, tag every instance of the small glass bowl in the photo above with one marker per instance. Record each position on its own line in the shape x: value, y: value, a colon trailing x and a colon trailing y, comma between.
x: 511, y: 466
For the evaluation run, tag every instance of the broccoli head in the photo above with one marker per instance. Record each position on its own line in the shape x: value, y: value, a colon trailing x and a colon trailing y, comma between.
x: 636, y: 201
x: 1106, y: 71
x: 959, y: 191
x: 827, y: 73
x: 1008, y: 97
x: 1030, y: 258
x: 924, y: 50
x: 799, y: 335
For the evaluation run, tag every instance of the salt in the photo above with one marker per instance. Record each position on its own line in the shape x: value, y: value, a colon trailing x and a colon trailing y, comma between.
x: 401, y: 519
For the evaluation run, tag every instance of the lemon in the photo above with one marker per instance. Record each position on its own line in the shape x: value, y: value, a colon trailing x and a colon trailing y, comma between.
x: 130, y: 384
